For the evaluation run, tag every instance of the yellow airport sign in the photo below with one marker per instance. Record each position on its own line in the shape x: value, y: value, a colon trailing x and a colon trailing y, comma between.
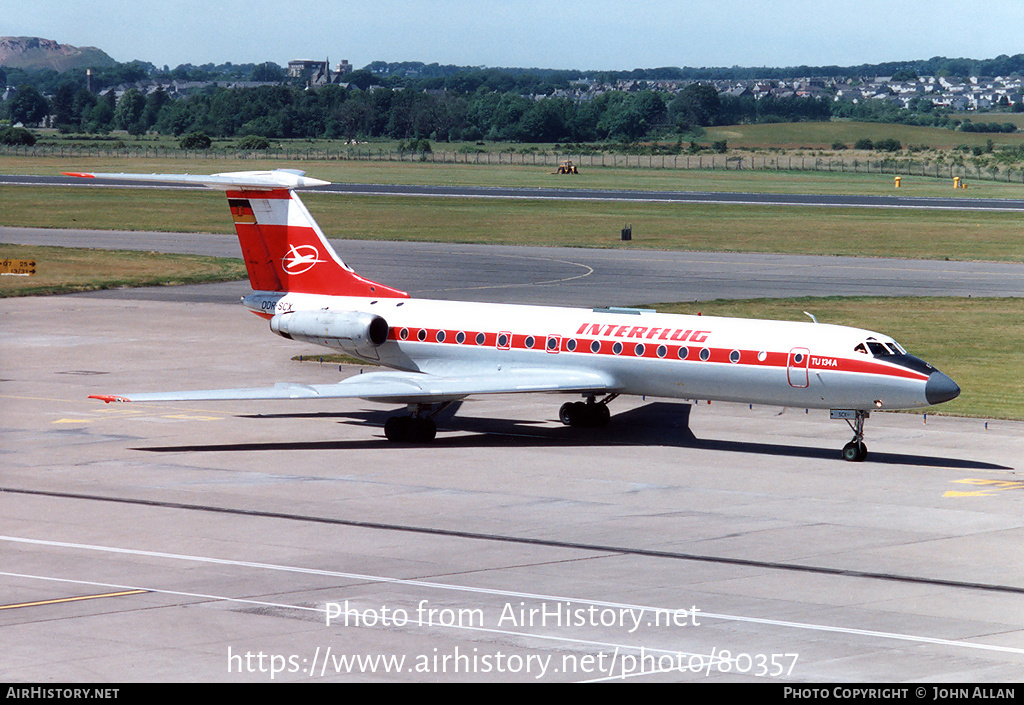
x: 18, y: 267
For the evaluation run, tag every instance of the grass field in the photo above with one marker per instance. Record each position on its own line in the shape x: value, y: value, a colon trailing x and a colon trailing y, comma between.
x: 62, y: 270
x: 1015, y: 118
x: 821, y: 135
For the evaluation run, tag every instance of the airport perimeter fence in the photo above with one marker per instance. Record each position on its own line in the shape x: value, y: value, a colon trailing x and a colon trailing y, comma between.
x: 892, y: 165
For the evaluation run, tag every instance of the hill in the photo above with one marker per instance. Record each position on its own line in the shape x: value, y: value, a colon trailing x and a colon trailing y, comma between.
x: 34, y: 53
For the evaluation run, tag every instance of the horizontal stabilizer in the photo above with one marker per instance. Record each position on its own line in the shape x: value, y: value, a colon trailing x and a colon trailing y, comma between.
x: 399, y: 387
x: 231, y: 180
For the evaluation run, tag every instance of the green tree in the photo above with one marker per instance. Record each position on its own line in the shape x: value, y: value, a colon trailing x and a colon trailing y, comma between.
x: 65, y: 116
x: 101, y: 116
x: 84, y: 103
x: 17, y: 136
x: 630, y: 117
x: 155, y: 102
x: 361, y: 79
x: 546, y: 121
x: 253, y: 142
x: 129, y: 110
x: 29, y: 107
x: 504, y: 120
x: 888, y: 145
x: 268, y: 72
x: 196, y: 140
x: 697, y: 105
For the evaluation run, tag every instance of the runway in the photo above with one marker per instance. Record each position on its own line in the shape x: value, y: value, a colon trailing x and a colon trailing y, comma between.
x: 718, y: 543
x: 577, y: 194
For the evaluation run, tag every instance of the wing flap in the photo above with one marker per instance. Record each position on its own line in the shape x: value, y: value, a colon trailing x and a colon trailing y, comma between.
x: 399, y: 387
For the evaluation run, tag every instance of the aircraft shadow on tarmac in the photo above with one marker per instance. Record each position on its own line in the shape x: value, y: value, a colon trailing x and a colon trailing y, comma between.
x: 656, y: 424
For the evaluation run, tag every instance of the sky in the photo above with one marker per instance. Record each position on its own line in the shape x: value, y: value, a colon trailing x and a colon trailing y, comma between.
x: 561, y: 34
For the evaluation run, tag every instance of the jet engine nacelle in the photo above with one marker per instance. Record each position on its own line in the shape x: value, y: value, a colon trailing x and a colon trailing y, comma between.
x: 349, y: 330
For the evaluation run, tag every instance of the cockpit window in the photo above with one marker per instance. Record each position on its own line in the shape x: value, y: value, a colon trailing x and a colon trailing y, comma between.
x: 880, y: 349
x: 893, y: 354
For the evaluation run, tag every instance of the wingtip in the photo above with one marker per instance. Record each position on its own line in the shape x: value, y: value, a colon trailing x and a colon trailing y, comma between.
x: 79, y: 174
x: 107, y: 398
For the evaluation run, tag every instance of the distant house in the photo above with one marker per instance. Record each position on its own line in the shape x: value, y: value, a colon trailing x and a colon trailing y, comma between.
x: 739, y: 92
x: 306, y: 69
x: 318, y: 73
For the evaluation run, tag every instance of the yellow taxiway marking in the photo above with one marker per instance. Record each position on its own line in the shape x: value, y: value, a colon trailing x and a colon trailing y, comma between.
x: 990, y: 487
x: 59, y: 600
x: 135, y: 412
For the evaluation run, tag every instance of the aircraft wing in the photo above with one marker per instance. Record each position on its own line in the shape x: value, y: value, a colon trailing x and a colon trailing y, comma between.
x: 400, y: 387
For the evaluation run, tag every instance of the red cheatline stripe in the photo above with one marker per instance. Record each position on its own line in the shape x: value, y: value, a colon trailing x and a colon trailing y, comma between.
x: 650, y: 351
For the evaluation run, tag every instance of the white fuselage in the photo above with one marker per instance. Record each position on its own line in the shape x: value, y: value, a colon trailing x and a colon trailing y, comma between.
x: 646, y: 353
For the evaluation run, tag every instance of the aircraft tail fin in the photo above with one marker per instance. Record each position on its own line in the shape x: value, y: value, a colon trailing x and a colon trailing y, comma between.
x: 283, y: 247
x: 285, y: 250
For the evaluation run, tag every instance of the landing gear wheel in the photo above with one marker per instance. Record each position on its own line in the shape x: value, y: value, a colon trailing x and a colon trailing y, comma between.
x: 567, y: 413
x: 855, y: 452
x: 394, y: 428
x: 425, y: 431
x: 410, y: 429
x: 587, y: 415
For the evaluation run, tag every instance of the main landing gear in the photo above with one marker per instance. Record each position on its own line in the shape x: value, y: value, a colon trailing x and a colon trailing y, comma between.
x: 417, y: 427
x: 855, y: 451
x: 410, y: 429
x: 589, y: 414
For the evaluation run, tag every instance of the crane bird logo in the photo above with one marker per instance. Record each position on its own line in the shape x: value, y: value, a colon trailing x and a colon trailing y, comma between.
x: 300, y: 259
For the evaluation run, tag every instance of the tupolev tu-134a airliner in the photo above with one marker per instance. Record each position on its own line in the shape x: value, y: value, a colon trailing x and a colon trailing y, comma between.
x: 440, y: 352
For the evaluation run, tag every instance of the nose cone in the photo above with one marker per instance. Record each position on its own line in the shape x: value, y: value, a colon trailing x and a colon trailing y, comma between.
x: 940, y: 388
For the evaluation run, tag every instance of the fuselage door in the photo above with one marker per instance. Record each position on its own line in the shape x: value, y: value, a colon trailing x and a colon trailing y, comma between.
x: 797, y: 367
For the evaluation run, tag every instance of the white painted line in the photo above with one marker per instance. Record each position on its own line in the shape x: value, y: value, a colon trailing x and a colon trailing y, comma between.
x: 484, y: 591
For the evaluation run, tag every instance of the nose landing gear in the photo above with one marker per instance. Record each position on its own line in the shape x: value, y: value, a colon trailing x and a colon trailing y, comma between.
x: 855, y: 451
